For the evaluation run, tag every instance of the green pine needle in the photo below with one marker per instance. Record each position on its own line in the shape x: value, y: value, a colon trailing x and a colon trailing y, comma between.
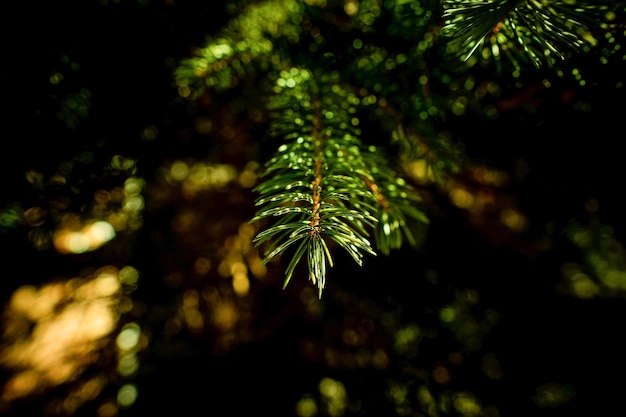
x: 541, y: 31
x: 323, y: 188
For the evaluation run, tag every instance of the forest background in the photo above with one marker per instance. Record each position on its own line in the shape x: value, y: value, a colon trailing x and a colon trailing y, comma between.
x: 512, y: 304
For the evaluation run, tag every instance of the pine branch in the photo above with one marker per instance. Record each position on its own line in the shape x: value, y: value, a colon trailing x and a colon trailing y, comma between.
x: 310, y: 190
x: 324, y: 186
x: 324, y: 189
x: 544, y: 30
x: 244, y: 46
x: 398, y: 205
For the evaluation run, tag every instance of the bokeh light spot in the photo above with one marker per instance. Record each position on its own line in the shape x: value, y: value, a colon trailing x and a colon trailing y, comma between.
x: 202, y: 265
x: 513, y: 219
x: 129, y: 276
x: 306, y: 407
x: 72, y: 237
x: 127, y: 395
x: 150, y: 133
x: 461, y: 198
x: 179, y: 171
x: 441, y: 375
x: 467, y: 404
x: 335, y: 395
x: 108, y: 409
x: 128, y: 338
x: 447, y: 314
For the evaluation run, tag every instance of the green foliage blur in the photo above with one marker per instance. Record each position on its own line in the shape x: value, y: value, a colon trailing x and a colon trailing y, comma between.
x: 470, y: 158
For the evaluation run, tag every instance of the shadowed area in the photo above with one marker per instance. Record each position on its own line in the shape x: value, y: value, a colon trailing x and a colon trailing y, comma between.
x: 137, y: 134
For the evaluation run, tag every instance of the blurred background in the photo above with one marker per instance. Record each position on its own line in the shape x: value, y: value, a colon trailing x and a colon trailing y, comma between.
x: 131, y: 285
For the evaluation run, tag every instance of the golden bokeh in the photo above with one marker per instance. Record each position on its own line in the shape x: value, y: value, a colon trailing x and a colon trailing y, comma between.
x: 72, y: 333
x: 74, y: 237
x: 56, y: 331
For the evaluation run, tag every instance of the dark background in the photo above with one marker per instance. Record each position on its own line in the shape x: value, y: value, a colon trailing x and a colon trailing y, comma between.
x: 559, y: 158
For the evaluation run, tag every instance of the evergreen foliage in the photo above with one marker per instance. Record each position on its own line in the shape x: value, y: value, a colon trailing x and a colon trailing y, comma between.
x: 358, y: 128
x: 543, y: 31
x: 342, y: 80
